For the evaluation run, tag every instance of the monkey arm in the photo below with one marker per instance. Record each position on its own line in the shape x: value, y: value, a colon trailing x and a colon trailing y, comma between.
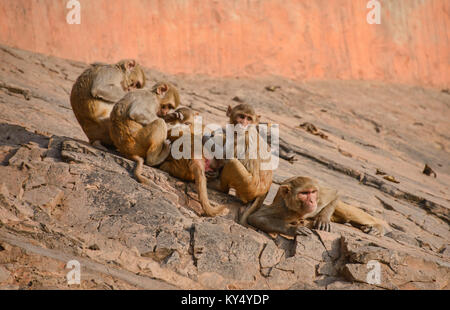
x: 323, y: 218
x: 107, y: 85
x: 273, y: 220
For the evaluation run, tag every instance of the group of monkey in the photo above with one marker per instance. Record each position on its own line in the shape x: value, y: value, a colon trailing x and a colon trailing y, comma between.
x: 115, y: 110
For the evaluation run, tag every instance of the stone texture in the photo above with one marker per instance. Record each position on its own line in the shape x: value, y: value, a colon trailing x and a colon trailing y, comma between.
x: 61, y: 198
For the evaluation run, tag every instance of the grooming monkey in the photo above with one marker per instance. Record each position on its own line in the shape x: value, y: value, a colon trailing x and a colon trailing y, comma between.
x: 245, y: 175
x: 96, y: 91
x: 137, y: 131
x: 300, y: 198
x: 189, y: 169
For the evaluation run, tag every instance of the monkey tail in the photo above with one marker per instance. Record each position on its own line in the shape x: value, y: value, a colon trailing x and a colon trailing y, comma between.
x: 200, y: 180
x: 345, y: 213
x: 253, y: 208
x: 138, y: 170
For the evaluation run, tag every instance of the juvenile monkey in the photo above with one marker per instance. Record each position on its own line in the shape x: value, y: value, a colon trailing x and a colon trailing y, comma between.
x: 301, y: 198
x: 96, y: 91
x: 189, y: 169
x: 245, y: 175
x: 137, y: 131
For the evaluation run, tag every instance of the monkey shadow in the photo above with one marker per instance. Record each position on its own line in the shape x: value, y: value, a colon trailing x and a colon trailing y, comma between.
x: 15, y: 135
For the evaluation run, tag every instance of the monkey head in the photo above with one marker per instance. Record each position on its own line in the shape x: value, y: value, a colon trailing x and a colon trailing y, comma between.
x: 242, y: 114
x: 300, y: 194
x: 134, y: 75
x: 167, y: 96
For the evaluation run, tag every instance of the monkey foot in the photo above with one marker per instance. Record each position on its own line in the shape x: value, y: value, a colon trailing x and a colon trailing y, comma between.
x: 97, y: 144
x: 373, y: 230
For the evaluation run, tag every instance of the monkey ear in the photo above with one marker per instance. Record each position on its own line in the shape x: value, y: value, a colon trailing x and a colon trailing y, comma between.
x: 285, y: 189
x: 162, y: 89
x: 229, y: 110
x: 130, y: 64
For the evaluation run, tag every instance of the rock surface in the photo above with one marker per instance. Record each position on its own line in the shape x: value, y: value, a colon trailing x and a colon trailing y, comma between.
x: 61, y: 199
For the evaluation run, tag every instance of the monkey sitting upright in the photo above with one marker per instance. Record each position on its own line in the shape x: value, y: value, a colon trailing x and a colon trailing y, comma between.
x: 245, y: 175
x: 136, y: 129
x: 96, y: 91
x: 301, y: 198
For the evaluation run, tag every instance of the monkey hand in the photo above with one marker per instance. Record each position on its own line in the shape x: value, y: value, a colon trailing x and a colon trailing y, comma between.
x: 322, y: 224
x: 174, y: 116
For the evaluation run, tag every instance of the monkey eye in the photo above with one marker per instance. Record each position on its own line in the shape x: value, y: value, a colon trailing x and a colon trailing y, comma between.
x: 243, y: 116
x: 308, y: 192
x: 138, y: 85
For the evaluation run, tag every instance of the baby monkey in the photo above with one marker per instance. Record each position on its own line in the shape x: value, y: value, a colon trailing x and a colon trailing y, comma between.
x: 96, y: 91
x: 301, y: 198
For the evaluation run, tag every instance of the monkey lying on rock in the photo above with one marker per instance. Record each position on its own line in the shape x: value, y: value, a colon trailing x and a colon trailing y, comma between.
x: 301, y: 198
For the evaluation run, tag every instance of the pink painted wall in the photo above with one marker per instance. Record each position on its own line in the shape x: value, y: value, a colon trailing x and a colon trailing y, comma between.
x: 304, y: 39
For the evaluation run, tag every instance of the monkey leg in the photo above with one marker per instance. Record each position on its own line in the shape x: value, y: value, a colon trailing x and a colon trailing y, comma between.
x: 138, y: 170
x: 235, y: 175
x: 345, y: 213
x: 253, y: 208
x: 198, y: 168
x: 155, y: 135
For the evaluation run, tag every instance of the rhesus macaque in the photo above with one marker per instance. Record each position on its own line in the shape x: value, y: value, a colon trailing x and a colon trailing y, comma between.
x: 189, y: 169
x: 300, y: 198
x: 96, y: 91
x: 137, y: 131
x: 245, y: 175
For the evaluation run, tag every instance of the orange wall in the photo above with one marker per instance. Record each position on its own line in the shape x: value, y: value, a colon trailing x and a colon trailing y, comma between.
x: 305, y: 39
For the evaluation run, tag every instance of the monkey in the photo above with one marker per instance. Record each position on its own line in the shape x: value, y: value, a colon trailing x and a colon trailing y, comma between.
x: 301, y: 198
x: 137, y: 131
x: 245, y: 175
x: 189, y: 169
x: 95, y: 92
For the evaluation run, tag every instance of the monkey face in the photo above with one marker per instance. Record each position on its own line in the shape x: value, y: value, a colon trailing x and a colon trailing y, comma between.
x: 308, y: 199
x: 136, y: 78
x: 243, y: 119
x: 164, y: 109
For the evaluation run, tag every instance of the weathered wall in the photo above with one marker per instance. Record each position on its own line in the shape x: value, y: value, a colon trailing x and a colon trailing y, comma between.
x: 306, y: 39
